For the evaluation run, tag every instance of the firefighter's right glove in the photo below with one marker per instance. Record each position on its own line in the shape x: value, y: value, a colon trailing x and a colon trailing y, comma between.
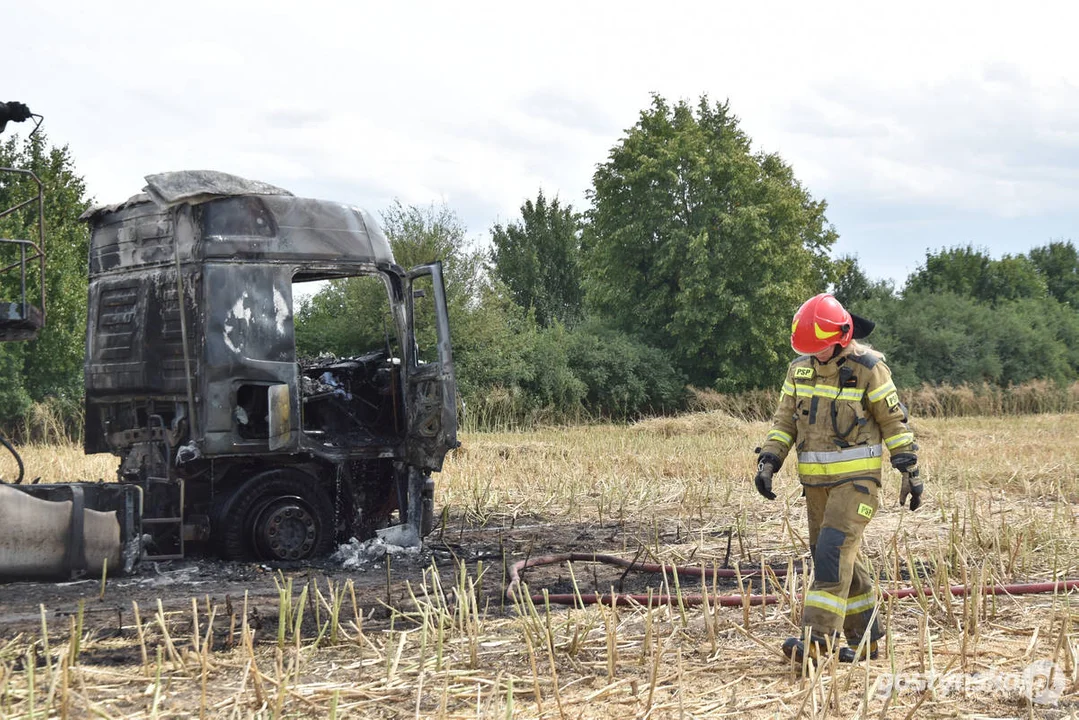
x: 767, y: 464
x: 907, y: 464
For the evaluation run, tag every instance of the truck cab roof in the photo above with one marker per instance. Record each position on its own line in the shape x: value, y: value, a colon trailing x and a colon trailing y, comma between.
x: 210, y: 214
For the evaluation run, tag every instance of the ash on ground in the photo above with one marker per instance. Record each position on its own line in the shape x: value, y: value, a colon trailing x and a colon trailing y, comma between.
x: 356, y: 555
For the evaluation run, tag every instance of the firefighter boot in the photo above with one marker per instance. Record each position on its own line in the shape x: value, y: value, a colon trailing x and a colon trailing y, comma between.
x: 850, y: 654
x: 797, y: 648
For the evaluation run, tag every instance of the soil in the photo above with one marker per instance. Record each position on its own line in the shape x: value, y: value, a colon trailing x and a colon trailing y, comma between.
x: 223, y: 584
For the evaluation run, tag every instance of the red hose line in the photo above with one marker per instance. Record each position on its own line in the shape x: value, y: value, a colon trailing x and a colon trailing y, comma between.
x: 689, y: 599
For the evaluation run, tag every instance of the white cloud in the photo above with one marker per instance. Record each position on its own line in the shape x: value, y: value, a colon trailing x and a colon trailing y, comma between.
x: 967, y: 106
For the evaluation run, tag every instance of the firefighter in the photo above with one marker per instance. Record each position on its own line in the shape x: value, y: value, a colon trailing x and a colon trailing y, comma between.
x: 838, y: 409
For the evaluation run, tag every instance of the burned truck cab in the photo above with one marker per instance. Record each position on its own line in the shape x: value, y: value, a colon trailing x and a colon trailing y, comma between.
x: 241, y: 447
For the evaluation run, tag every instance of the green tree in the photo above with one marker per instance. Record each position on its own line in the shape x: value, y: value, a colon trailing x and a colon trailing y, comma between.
x: 492, y: 337
x: 703, y: 247
x: 941, y: 337
x: 350, y: 315
x: 1058, y: 264
x: 622, y: 376
x: 51, y: 367
x: 538, y: 259
x: 853, y: 287
x: 945, y: 337
x: 973, y: 273
x: 346, y: 317
x: 421, y: 235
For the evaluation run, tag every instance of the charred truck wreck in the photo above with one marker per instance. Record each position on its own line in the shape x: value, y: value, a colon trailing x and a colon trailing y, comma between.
x: 241, y: 448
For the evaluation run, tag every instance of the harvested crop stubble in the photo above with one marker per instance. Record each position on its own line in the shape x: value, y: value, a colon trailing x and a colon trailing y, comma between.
x: 1003, y: 506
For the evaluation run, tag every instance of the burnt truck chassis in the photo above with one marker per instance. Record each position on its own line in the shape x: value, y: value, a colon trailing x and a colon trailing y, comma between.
x: 240, y: 448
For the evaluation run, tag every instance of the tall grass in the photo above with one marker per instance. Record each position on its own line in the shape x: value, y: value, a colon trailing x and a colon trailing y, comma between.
x: 502, y: 409
x: 928, y: 400
x: 54, y: 420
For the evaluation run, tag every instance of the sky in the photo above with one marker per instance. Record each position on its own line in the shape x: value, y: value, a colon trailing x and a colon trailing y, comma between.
x: 923, y: 125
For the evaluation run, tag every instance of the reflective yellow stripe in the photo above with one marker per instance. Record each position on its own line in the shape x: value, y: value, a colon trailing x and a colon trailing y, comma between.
x: 897, y: 440
x: 839, y: 468
x: 861, y: 603
x: 826, y: 601
x: 881, y: 392
x: 827, y: 391
x: 823, y: 334
x: 781, y: 437
x: 788, y: 389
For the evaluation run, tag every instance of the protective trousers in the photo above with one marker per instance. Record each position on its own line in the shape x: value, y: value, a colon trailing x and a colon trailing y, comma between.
x: 844, y: 593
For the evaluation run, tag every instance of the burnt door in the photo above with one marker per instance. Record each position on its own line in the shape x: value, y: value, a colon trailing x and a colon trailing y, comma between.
x: 431, y: 387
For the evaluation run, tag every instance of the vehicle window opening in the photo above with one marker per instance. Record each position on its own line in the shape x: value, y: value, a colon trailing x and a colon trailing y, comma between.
x: 252, y: 412
x: 351, y: 389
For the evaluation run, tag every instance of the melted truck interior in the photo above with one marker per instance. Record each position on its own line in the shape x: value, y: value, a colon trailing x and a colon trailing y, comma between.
x: 356, y: 400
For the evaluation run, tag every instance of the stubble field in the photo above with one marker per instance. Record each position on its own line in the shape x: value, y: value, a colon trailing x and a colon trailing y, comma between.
x: 432, y: 635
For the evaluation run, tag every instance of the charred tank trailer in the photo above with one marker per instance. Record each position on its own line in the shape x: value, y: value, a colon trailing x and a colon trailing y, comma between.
x: 240, y: 447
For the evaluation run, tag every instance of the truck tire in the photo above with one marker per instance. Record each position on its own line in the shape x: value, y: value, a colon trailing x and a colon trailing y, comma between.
x: 276, y: 515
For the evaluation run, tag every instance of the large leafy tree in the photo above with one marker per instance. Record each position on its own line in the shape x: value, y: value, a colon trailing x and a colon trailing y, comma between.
x: 51, y: 366
x: 1058, y: 264
x: 704, y: 247
x: 538, y: 259
x: 972, y: 273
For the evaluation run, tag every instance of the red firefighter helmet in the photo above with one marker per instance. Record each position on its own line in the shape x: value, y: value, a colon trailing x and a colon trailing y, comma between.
x: 820, y: 323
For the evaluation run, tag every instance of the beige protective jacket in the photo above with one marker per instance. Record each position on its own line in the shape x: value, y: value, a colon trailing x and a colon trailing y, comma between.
x: 837, y: 416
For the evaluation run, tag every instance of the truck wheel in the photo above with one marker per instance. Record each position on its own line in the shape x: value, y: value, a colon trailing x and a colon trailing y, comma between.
x: 277, y: 515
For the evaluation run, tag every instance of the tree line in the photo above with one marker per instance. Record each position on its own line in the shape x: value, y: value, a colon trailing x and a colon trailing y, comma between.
x: 683, y: 271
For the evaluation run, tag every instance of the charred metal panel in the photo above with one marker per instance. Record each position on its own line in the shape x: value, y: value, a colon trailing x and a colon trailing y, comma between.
x: 134, y: 340
x: 219, y: 221
x: 249, y: 319
x: 276, y: 228
x: 192, y: 187
x: 249, y: 341
x: 139, y: 234
x: 432, y: 387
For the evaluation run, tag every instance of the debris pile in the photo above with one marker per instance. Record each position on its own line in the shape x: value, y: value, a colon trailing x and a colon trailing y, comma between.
x: 355, y: 554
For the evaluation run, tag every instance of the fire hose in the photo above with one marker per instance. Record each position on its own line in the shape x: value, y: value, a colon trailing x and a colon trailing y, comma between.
x: 738, y: 600
x: 18, y: 459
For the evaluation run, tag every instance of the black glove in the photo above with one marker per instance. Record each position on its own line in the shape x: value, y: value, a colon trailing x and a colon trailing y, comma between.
x: 767, y: 464
x: 904, y: 461
x: 912, y: 485
x: 907, y: 463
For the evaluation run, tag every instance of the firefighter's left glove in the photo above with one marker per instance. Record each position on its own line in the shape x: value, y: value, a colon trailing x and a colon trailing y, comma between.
x: 767, y: 464
x: 907, y: 464
x: 912, y: 486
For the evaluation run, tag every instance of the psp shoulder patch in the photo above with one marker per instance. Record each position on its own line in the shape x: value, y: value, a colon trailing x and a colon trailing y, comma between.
x: 892, y: 400
x: 803, y: 373
x: 865, y: 511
